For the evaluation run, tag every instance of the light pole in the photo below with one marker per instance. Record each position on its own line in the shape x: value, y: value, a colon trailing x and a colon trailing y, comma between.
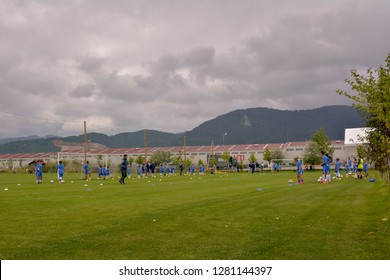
x: 223, y: 138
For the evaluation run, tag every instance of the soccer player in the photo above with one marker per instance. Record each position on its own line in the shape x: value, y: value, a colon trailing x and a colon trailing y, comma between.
x: 106, y: 172
x: 86, y: 171
x: 346, y: 169
x: 38, y: 171
x: 100, y: 172
x: 365, y: 169
x: 138, y: 172
x: 325, y: 168
x: 143, y: 169
x: 299, y: 170
x: 201, y: 169
x: 337, y: 167
x: 60, y: 171
x: 123, y: 169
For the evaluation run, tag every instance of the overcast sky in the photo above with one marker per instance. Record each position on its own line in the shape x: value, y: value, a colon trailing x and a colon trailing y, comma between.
x: 170, y: 65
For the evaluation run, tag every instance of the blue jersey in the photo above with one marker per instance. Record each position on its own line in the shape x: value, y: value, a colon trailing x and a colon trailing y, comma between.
x: 86, y: 168
x: 38, y: 169
x: 60, y: 169
x: 325, y: 163
x: 299, y: 167
x: 337, y: 166
x: 365, y: 167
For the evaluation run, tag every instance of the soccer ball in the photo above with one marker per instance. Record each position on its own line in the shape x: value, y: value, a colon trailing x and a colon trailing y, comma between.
x: 51, y: 181
x: 290, y: 181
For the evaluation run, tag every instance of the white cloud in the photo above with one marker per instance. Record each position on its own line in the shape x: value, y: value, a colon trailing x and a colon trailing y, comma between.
x: 171, y: 65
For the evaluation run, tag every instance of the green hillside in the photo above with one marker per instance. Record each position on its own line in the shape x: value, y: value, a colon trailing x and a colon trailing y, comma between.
x: 255, y: 125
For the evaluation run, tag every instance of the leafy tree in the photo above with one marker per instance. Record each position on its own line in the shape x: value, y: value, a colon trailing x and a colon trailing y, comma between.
x: 252, y: 158
x: 277, y: 156
x: 139, y: 159
x: 319, y: 142
x: 267, y: 155
x: 371, y: 97
x: 130, y: 159
x: 200, y: 162
x: 226, y: 157
x: 176, y: 160
x: 160, y: 157
x: 99, y: 159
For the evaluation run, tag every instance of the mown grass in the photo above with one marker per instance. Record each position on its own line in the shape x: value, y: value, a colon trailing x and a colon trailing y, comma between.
x: 192, y: 217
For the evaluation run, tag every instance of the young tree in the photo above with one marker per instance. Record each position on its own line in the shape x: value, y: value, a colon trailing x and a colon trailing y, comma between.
x: 139, y: 160
x: 267, y: 155
x: 277, y: 156
x: 160, y: 157
x: 226, y: 157
x: 371, y: 97
x: 252, y: 158
x: 319, y: 142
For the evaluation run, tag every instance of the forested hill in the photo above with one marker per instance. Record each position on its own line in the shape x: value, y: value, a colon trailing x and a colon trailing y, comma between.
x: 246, y: 126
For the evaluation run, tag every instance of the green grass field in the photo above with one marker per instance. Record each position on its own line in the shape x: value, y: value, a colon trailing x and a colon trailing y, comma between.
x: 201, y: 217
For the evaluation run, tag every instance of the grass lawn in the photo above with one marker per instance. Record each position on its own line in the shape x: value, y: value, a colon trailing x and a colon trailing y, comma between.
x: 199, y: 217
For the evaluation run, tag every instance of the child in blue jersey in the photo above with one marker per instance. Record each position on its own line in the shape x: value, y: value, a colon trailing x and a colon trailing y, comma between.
x: 138, y: 172
x: 165, y: 169
x: 325, y: 168
x: 354, y: 168
x: 160, y: 170
x: 192, y: 169
x: 346, y: 169
x: 129, y: 172
x: 86, y: 171
x: 38, y: 171
x: 349, y: 166
x: 60, y: 171
x: 143, y: 169
x: 100, y: 172
x: 201, y: 169
x: 365, y: 169
x: 106, y: 172
x: 299, y: 170
x: 337, y: 167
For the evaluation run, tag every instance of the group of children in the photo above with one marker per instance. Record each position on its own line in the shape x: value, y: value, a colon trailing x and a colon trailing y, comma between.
x: 164, y: 170
x: 356, y: 168
x: 39, y: 171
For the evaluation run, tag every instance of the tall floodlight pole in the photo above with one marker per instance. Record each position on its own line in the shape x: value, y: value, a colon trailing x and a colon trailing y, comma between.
x: 185, y: 159
x: 145, y: 146
x: 223, y: 138
x: 85, y: 141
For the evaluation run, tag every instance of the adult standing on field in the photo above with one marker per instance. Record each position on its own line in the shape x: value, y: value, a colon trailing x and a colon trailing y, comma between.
x: 123, y: 169
x: 360, y: 169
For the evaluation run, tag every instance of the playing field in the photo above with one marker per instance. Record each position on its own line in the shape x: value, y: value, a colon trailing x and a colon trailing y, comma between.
x: 234, y: 216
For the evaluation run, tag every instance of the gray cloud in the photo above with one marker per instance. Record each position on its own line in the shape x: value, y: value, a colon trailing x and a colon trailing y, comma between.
x: 171, y: 65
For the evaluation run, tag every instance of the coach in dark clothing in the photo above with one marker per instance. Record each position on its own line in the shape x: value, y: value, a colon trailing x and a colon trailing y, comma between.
x: 123, y: 169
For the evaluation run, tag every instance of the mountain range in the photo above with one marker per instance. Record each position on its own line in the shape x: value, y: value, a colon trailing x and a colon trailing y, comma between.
x: 244, y: 126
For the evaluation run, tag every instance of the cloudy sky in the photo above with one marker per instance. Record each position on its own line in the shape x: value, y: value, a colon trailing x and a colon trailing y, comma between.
x: 169, y: 65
